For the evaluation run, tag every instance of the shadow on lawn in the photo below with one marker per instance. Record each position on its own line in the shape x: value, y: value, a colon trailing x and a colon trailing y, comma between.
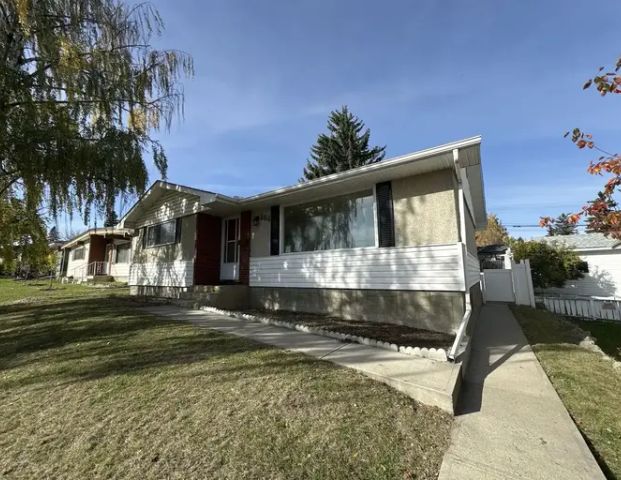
x: 89, y: 339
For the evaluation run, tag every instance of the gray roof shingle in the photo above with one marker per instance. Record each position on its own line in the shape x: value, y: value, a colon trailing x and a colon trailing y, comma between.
x: 583, y: 241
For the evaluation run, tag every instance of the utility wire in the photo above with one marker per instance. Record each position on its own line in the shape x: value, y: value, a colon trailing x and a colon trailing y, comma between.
x: 539, y: 226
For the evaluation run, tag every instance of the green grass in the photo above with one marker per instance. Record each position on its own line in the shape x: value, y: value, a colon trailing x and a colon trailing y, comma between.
x: 90, y: 387
x: 607, y: 335
x: 38, y: 291
x: 588, y: 384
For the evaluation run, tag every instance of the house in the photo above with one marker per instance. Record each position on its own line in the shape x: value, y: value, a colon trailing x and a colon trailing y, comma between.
x: 602, y: 256
x: 391, y: 242
x: 493, y: 256
x: 98, y: 253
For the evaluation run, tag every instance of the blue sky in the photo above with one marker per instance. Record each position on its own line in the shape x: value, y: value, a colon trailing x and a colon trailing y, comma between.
x: 418, y: 73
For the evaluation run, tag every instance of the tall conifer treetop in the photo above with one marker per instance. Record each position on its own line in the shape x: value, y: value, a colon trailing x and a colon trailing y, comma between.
x: 345, y: 146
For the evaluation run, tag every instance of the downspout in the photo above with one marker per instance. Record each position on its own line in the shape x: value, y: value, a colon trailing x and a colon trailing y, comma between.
x: 461, y: 330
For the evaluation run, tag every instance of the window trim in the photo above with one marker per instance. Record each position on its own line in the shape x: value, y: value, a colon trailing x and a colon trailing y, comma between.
x: 116, y: 253
x: 318, y: 199
x: 225, y: 242
x: 176, y: 237
x: 83, y: 249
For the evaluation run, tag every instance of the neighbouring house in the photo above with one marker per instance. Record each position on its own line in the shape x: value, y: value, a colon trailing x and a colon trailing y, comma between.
x: 97, y: 254
x: 602, y: 256
x: 493, y: 256
x: 391, y: 242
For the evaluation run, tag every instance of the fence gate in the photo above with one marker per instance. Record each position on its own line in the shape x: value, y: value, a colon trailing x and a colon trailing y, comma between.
x: 498, y: 286
x: 512, y: 285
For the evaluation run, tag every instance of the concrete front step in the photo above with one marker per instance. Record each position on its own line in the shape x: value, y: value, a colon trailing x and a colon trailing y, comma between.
x: 232, y: 297
x: 100, y: 278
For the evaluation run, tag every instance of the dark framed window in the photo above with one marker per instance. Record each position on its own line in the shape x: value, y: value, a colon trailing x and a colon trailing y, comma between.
x: 165, y: 233
x: 122, y: 253
x: 78, y: 253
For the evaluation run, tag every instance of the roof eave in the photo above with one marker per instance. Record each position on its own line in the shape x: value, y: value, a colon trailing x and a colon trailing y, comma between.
x: 365, y: 170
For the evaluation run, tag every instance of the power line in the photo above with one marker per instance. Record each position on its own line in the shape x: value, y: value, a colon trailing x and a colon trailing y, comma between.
x: 539, y: 226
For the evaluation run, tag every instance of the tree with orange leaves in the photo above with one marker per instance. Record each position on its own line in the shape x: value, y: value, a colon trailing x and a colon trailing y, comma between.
x: 602, y: 214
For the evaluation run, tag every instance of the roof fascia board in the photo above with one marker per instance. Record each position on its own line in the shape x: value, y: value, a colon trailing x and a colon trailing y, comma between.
x: 465, y: 184
x: 367, y: 169
x: 207, y: 197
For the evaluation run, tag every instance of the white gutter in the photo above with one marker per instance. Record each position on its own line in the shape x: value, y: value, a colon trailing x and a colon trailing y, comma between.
x: 355, y: 172
x: 207, y: 198
x: 102, y: 231
x: 461, y: 330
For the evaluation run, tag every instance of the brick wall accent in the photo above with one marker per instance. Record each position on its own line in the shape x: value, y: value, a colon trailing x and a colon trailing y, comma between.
x: 244, y: 247
x: 207, y: 249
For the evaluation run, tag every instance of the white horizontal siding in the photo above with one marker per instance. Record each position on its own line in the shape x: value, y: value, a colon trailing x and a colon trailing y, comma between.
x: 396, y: 268
x: 77, y: 268
x: 170, y: 205
x: 168, y: 274
x: 120, y: 271
x: 473, y: 270
x: 603, y: 279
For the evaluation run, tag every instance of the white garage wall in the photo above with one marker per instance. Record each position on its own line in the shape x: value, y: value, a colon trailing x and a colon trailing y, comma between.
x: 603, y: 279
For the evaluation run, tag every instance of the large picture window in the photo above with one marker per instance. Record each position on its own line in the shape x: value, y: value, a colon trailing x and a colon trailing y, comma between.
x: 162, y: 234
x: 122, y: 253
x: 346, y: 221
x: 78, y: 253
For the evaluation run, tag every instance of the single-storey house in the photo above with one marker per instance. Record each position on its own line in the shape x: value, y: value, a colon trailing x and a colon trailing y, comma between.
x: 602, y: 257
x: 392, y: 241
x: 97, y: 253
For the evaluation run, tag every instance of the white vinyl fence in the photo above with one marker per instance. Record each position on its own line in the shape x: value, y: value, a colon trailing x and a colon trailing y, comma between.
x: 513, y: 284
x: 585, y: 307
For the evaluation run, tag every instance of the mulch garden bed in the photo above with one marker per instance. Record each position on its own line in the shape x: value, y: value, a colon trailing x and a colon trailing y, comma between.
x: 385, y: 332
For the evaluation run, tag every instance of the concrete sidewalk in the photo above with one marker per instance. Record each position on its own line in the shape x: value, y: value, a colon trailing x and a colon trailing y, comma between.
x: 430, y: 382
x: 510, y: 422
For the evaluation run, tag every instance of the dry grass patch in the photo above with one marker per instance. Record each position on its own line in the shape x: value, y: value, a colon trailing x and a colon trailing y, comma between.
x: 91, y: 388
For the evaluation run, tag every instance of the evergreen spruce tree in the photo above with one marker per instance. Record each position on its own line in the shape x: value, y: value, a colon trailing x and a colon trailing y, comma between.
x: 561, y: 225
x: 345, y: 146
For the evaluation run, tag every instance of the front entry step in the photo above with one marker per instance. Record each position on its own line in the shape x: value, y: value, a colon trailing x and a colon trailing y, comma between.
x: 232, y: 297
x: 100, y: 278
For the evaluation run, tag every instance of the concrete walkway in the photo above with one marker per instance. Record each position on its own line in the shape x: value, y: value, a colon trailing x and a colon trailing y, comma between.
x: 430, y: 382
x: 511, y: 423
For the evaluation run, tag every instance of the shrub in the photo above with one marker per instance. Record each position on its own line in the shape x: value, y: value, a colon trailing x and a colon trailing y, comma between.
x: 551, y: 265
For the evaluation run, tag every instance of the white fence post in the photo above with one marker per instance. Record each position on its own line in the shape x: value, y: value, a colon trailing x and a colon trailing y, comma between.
x: 529, y: 282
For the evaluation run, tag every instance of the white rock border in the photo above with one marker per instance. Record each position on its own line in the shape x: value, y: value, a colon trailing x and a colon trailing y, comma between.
x: 438, y: 354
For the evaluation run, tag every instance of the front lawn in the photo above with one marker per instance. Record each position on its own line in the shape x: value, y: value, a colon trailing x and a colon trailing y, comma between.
x: 588, y: 384
x: 38, y: 291
x: 91, y: 387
